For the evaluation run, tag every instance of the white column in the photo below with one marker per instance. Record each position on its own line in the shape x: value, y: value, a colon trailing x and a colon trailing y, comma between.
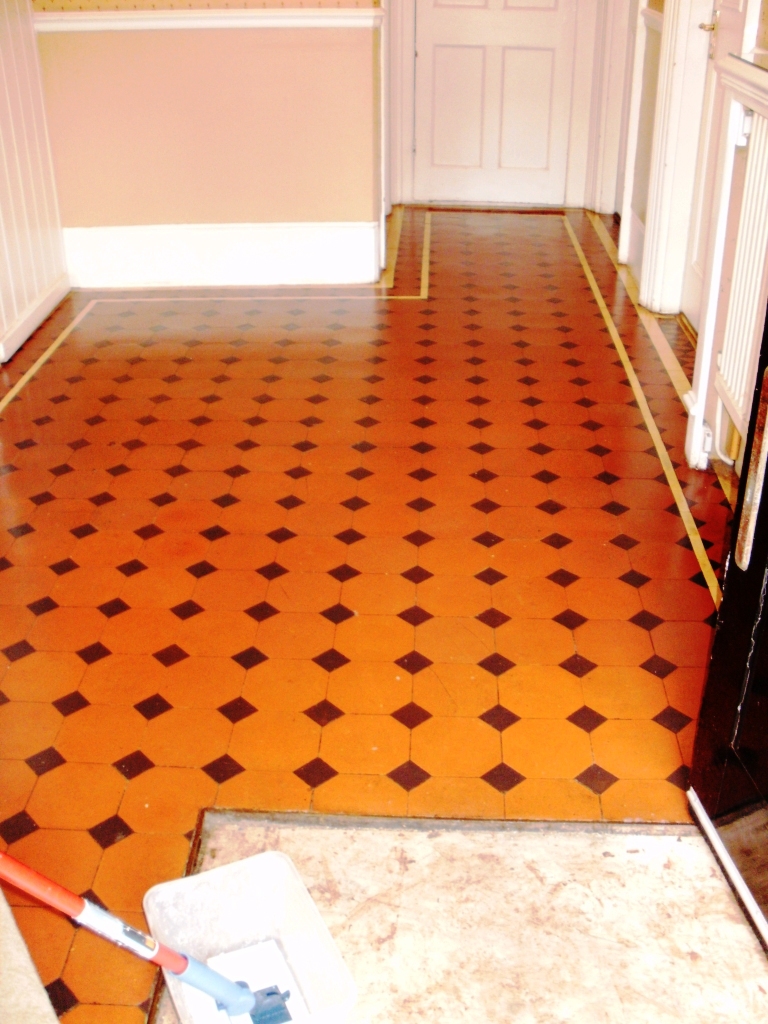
x: 679, y: 100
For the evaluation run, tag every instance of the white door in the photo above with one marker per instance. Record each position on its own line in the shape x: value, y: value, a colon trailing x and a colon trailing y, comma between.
x: 733, y: 23
x: 493, y: 100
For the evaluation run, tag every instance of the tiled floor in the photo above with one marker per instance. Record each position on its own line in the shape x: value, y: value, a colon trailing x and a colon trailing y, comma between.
x: 347, y: 554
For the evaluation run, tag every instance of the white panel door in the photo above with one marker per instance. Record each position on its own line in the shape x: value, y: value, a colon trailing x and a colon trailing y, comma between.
x: 493, y: 100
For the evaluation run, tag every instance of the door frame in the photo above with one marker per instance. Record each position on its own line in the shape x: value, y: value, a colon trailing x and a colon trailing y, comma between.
x: 602, y: 28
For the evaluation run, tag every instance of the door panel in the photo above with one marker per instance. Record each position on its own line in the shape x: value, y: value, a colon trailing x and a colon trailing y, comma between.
x: 493, y: 100
x: 457, y: 116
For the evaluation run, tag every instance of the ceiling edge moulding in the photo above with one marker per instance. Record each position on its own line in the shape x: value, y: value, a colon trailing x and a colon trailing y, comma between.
x: 261, y: 18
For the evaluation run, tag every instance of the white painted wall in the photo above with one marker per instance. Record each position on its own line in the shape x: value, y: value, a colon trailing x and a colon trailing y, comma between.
x: 33, y: 277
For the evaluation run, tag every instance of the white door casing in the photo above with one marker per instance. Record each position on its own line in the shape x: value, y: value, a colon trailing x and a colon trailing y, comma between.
x: 493, y: 91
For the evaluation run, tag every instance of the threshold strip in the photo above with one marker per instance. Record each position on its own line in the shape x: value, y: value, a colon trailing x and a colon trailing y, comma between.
x: 658, y: 339
x: 674, y: 484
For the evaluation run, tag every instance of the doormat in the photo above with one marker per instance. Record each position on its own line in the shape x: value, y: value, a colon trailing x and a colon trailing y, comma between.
x: 516, y: 923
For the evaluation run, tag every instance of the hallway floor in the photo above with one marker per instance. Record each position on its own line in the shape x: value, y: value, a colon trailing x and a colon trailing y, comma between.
x: 355, y: 553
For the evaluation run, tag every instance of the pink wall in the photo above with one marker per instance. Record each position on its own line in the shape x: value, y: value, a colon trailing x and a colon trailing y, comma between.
x: 213, y: 126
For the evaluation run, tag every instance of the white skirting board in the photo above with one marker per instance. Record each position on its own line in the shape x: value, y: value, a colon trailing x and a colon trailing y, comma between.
x: 221, y: 255
x: 32, y: 317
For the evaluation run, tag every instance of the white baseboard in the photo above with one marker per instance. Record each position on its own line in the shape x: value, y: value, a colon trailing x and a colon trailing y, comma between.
x: 221, y: 255
x: 18, y: 332
x: 636, y: 245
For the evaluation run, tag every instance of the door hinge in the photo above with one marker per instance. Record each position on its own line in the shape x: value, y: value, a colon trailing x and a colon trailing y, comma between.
x: 746, y: 128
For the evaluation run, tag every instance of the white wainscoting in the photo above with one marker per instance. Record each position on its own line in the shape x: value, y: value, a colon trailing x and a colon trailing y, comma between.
x: 221, y: 255
x: 32, y: 273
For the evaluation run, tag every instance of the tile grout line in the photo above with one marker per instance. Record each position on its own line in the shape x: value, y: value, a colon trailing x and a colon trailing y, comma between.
x: 32, y: 371
x: 653, y: 430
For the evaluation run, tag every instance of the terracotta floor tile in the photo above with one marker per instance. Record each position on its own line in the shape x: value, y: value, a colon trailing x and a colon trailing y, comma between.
x: 646, y: 800
x: 683, y: 644
x: 541, y: 749
x: 455, y: 747
x: 684, y: 689
x: 50, y: 935
x: 69, y: 856
x: 373, y: 744
x: 43, y: 676
x: 636, y: 750
x: 370, y: 688
x: 265, y: 790
x: 274, y: 741
x: 98, y: 1013
x: 166, y: 799
x: 535, y: 642
x: 186, y: 737
x: 16, y: 782
x: 623, y: 692
x: 76, y: 796
x: 100, y: 733
x: 541, y: 691
x: 122, y: 679
x: 455, y: 798
x: 553, y: 800
x: 26, y: 728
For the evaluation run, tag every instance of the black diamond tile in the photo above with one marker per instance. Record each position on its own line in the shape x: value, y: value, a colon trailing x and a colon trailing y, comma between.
x: 597, y: 779
x: 315, y: 772
x: 223, y: 769
x: 484, y: 476
x: 545, y: 477
x: 417, y: 574
x: 658, y: 666
x: 540, y: 449
x: 42, y: 420
x: 17, y: 827
x: 64, y: 566
x: 496, y: 664
x: 201, y: 569
x: 144, y: 421
x: 43, y: 498
x: 5, y: 564
x: 21, y: 530
x: 236, y: 471
x: 615, y: 508
x: 331, y: 660
x: 308, y: 421
x: 360, y: 473
x: 187, y: 609
x: 363, y: 447
x: 81, y: 532
x: 634, y: 578
x: 607, y: 478
x: 570, y: 619
x: 133, y: 765
x: 479, y: 423
x: 110, y: 831
x: 418, y: 538
x: 672, y: 719
x: 29, y: 443
x: 323, y: 713
x: 492, y: 617
x: 488, y: 539
x: 411, y: 715
x: 261, y: 611
x: 499, y: 717
x: 551, y: 507
x: 408, y: 775
x: 587, y: 718
x: 531, y: 401
x: 413, y: 662
x: 178, y: 470
x: 225, y: 500
x: 131, y: 568
x: 350, y: 536
x: 367, y: 421
x: 247, y: 445
x: 415, y: 615
x: 45, y: 604
x: 249, y: 658
x: 120, y: 470
x: 162, y: 499
x: 600, y: 450
x: 102, y: 499
x: 624, y: 542
x: 481, y: 448
x: 646, y: 620
x: 490, y: 576
x: 420, y: 504
x: 337, y: 613
x: 153, y: 707
x: 577, y: 665
x: 70, y: 703
x: 148, y: 532
x: 680, y: 777
x: 342, y: 573
x: 170, y: 655
x: 45, y: 761
x: 61, y: 996
x: 590, y: 424
x: 214, y: 533
x: 486, y: 506
x: 21, y: 649
x: 236, y: 710
x: 281, y: 535
x: 557, y: 541
x: 424, y: 400
x: 535, y: 424
x: 503, y: 778
x: 93, y: 653
x: 62, y: 470
x: 189, y: 444
x: 289, y: 501
x: 422, y: 474
x: 297, y: 472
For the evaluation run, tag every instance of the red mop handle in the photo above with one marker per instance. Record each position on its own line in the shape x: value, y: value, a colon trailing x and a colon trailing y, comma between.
x: 89, y: 914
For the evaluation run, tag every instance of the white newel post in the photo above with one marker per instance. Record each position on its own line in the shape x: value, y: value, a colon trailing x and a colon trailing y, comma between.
x: 679, y: 101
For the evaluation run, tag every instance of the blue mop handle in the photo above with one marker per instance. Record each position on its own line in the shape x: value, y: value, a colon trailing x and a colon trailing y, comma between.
x: 230, y: 996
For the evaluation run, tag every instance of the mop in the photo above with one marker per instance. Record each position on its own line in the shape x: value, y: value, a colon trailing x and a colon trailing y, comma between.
x: 265, y: 1006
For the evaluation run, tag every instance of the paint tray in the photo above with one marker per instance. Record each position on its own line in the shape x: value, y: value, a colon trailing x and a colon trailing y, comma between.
x: 251, y: 920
